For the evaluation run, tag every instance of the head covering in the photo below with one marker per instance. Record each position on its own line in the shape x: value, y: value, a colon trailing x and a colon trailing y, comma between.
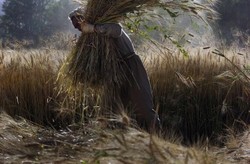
x: 78, y: 12
x: 77, y: 16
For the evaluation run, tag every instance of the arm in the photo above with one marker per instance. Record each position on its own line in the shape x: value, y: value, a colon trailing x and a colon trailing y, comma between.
x: 109, y: 29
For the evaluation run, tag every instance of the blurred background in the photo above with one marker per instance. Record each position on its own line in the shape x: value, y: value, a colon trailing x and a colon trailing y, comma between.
x: 35, y: 21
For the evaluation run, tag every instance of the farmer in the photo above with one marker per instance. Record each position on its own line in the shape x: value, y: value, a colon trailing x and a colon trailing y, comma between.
x: 135, y: 91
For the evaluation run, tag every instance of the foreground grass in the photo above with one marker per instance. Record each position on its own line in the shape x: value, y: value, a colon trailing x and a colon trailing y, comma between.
x: 101, y: 142
x: 92, y: 143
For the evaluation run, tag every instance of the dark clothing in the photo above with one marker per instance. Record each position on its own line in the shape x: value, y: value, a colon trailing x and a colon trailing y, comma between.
x: 136, y: 92
x: 115, y: 31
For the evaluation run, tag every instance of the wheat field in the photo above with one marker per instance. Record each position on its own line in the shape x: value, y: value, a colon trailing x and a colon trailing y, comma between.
x: 202, y: 100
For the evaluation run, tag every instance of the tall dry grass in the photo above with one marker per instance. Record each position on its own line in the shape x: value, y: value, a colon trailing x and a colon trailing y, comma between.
x: 28, y: 88
x: 201, y: 96
x: 197, y: 97
x: 27, y: 85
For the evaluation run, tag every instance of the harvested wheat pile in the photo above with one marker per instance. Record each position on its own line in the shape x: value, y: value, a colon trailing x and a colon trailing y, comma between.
x: 95, y: 60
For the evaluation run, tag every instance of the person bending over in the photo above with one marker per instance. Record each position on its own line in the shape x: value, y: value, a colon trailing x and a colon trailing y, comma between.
x: 136, y: 91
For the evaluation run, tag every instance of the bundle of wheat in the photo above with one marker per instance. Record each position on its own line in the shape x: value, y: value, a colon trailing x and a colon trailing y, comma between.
x: 94, y: 61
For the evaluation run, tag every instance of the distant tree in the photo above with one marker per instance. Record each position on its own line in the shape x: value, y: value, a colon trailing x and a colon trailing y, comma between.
x: 34, y: 19
x: 57, y: 14
x: 25, y: 19
x: 234, y: 15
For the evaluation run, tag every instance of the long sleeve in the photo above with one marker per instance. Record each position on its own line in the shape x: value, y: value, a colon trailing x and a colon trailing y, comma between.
x: 109, y: 29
